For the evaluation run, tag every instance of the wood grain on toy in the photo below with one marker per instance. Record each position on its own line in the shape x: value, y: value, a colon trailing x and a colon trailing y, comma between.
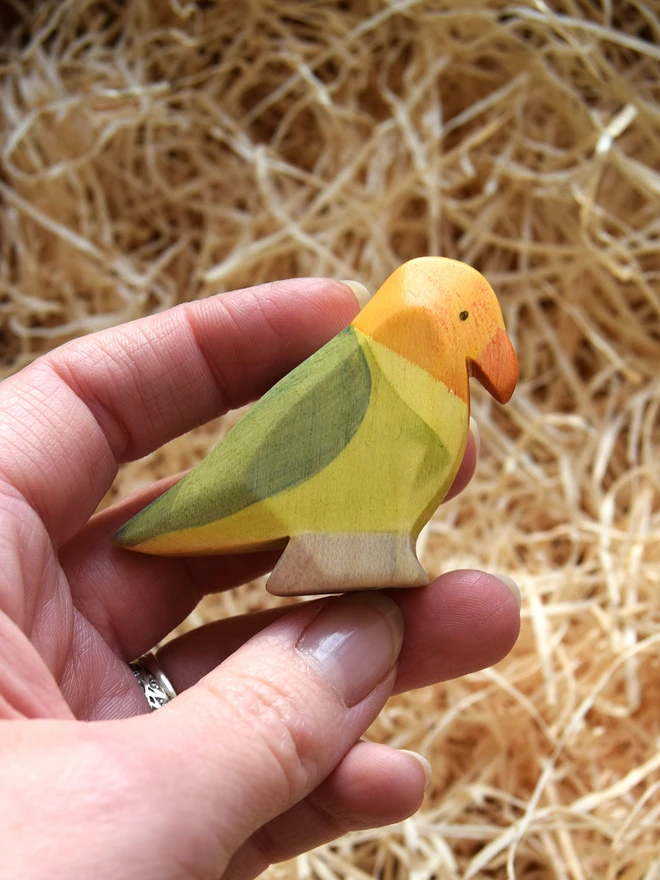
x: 346, y: 458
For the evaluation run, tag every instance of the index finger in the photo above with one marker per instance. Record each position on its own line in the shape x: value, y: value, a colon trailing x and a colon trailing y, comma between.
x: 70, y: 418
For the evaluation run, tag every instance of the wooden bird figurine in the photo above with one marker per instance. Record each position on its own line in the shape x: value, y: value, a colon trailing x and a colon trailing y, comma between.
x: 346, y: 458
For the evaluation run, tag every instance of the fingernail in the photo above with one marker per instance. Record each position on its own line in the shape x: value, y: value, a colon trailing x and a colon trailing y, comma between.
x: 474, y: 427
x: 360, y: 292
x: 426, y: 767
x: 354, y: 643
x: 510, y: 584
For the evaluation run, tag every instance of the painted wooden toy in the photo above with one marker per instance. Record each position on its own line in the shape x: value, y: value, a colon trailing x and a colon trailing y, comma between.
x: 345, y: 459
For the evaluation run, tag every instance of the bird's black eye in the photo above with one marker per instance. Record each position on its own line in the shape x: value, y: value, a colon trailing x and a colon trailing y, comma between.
x: 463, y: 316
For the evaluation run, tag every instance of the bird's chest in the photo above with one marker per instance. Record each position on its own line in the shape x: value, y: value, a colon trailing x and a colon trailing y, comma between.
x: 404, y: 454
x: 403, y: 394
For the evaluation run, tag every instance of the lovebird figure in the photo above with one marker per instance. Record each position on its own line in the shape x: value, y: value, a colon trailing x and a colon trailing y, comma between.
x: 347, y: 457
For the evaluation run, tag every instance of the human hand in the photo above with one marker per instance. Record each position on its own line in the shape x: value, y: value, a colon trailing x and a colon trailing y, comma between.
x: 259, y: 756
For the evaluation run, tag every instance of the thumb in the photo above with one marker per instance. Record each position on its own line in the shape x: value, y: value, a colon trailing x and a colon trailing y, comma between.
x: 262, y: 730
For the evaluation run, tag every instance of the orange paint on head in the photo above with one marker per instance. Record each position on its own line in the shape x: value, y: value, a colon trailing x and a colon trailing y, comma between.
x: 444, y: 316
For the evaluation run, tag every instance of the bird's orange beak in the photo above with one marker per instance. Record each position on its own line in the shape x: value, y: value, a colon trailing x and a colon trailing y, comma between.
x: 497, y: 367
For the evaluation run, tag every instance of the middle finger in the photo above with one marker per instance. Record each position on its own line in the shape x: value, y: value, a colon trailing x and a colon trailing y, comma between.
x: 461, y: 622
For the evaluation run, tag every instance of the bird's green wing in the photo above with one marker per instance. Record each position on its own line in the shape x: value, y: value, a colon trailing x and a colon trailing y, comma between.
x: 292, y: 433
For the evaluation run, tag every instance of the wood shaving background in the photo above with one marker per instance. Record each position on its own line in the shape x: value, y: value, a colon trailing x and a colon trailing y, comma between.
x: 159, y: 152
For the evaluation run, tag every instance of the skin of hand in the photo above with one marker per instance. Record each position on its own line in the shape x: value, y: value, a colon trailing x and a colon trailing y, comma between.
x: 259, y: 757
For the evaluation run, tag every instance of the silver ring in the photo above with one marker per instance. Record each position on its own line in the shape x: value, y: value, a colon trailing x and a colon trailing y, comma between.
x: 152, y: 679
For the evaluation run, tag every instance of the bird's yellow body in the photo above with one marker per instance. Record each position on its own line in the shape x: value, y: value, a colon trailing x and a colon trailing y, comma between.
x: 345, y: 459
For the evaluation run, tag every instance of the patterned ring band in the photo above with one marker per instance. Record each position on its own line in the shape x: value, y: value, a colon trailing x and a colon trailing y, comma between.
x: 152, y: 679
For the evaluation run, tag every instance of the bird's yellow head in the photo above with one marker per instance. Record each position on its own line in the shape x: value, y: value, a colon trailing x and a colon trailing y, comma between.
x: 443, y: 315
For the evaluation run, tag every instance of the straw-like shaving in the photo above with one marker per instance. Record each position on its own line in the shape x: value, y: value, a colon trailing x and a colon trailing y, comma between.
x: 153, y: 153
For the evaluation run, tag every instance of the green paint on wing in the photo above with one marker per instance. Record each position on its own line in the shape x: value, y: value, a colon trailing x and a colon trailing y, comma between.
x: 292, y: 433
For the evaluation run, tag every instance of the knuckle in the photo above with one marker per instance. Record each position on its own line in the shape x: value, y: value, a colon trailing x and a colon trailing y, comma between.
x: 333, y: 822
x: 268, y: 714
x: 268, y: 849
x: 221, y: 364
